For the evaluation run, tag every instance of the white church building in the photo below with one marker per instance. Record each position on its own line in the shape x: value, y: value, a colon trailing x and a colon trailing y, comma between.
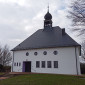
x: 48, y: 50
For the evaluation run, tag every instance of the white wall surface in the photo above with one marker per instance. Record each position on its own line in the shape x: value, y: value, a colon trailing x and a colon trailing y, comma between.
x: 66, y: 60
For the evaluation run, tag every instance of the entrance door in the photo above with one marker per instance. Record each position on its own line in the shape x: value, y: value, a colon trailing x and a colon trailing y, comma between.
x: 27, y: 66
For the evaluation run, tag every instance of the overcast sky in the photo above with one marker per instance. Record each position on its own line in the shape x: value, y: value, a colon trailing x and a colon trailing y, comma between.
x: 20, y: 18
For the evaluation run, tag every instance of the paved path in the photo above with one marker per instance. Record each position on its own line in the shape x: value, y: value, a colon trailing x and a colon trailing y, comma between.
x: 41, y: 73
x: 1, y: 78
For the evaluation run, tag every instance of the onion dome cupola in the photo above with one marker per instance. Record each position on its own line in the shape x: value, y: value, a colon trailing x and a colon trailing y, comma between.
x: 48, y: 16
x: 48, y: 19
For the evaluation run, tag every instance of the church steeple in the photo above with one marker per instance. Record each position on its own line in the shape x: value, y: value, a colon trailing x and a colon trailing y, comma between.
x: 48, y: 19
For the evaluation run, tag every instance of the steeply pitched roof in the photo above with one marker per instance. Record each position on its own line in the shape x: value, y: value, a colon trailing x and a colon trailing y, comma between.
x: 47, y: 38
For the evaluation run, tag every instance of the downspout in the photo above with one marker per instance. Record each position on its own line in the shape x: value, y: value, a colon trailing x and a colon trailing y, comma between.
x: 76, y: 61
x: 13, y: 61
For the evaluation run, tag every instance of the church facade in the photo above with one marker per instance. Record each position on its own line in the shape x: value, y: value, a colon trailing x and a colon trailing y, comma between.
x: 48, y: 50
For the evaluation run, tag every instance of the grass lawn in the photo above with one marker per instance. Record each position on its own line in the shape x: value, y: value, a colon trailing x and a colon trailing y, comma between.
x: 43, y: 79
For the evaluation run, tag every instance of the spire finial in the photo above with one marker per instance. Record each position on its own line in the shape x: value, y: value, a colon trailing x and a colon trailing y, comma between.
x: 48, y: 7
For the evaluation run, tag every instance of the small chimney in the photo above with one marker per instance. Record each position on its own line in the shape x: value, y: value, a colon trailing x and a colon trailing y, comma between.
x: 63, y: 31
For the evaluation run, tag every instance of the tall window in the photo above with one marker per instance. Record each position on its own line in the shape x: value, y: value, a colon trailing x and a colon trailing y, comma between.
x: 37, y: 64
x: 14, y: 64
x: 55, y: 64
x: 19, y: 64
x: 43, y: 64
x: 49, y: 64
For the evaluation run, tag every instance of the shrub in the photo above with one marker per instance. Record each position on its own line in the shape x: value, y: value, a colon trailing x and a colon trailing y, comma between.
x: 82, y: 66
x: 7, y: 68
x: 1, y: 68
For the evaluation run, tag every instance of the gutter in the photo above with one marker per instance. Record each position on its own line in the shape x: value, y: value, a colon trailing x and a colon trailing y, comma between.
x: 13, y: 61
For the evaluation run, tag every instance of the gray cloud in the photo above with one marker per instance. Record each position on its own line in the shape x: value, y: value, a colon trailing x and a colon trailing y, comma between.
x: 19, y: 19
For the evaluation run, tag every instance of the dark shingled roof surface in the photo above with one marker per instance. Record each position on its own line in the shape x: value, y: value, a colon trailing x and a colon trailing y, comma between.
x: 49, y: 37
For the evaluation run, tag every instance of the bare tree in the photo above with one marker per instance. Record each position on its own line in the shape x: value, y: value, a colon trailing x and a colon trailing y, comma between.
x: 0, y: 55
x: 77, y: 15
x: 5, y: 55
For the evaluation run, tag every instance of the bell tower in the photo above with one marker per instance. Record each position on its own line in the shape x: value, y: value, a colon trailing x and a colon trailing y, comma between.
x: 48, y: 19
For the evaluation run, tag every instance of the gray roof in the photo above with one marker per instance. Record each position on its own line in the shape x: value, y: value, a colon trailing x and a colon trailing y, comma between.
x: 49, y: 37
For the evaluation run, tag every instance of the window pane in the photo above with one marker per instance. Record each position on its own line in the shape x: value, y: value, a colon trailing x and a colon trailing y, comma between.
x: 43, y: 64
x: 27, y: 54
x: 36, y: 53
x: 14, y: 64
x: 37, y: 64
x: 45, y: 53
x: 49, y: 64
x: 19, y: 64
x: 55, y: 52
x: 55, y: 64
